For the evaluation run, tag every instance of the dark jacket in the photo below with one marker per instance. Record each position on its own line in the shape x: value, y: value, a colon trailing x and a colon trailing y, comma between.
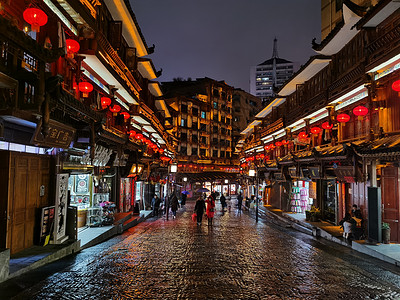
x: 174, y: 203
x: 200, y: 207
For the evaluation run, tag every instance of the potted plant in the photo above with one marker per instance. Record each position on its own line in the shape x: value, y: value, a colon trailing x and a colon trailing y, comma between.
x: 315, y: 214
x: 385, y: 233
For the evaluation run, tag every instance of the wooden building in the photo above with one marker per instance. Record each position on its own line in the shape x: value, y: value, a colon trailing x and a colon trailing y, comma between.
x: 332, y: 132
x: 78, y: 96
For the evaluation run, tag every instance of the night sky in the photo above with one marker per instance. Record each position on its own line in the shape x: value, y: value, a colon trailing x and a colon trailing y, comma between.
x: 222, y: 39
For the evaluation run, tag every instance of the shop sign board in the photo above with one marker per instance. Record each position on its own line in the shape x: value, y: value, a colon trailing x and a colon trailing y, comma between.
x: 59, y: 135
x: 293, y: 172
x: 314, y: 172
x: 61, y: 208
x: 345, y: 173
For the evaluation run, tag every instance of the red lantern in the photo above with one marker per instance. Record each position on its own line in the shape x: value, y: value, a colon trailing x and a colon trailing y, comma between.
x: 164, y: 158
x: 302, y: 135
x: 360, y: 111
x: 343, y: 118
x: 139, y: 136
x: 85, y: 87
x: 285, y: 142
x: 72, y: 45
x: 35, y: 17
x: 327, y: 126
x: 161, y: 150
x: 278, y: 144
x: 315, y: 130
x: 105, y: 102
x: 267, y: 147
x: 126, y: 115
x: 396, y: 86
x: 115, y: 109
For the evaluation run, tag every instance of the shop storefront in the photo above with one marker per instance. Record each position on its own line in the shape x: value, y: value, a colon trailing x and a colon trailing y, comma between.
x: 87, y: 192
x: 303, y: 194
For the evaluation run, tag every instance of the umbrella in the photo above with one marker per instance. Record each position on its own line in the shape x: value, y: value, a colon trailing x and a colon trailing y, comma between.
x: 203, y: 190
x: 185, y: 192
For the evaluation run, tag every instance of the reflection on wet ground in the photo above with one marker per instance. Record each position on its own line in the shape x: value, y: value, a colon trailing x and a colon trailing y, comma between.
x: 233, y: 259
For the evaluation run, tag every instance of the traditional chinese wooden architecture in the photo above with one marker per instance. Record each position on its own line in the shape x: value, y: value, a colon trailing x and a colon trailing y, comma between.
x: 331, y: 135
x: 78, y: 97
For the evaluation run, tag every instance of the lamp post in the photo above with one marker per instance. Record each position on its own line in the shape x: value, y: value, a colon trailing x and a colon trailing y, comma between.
x: 171, y: 169
x: 252, y: 173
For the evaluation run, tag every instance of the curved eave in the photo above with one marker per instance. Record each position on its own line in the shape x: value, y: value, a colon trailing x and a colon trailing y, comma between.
x: 334, y: 43
x: 130, y: 29
x: 249, y: 129
x: 162, y: 106
x: 275, y: 103
x: 155, y: 89
x: 146, y: 69
x: 314, y: 65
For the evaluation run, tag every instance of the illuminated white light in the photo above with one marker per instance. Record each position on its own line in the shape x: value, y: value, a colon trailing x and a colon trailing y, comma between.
x: 252, y: 173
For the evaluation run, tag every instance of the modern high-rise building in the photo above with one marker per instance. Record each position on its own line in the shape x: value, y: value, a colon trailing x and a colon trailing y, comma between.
x: 270, y: 74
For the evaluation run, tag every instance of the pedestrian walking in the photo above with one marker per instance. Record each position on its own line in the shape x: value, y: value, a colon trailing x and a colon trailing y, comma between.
x: 155, y: 203
x: 240, y: 200
x: 174, y: 204
x: 223, y: 201
x: 199, y: 209
x: 210, y: 209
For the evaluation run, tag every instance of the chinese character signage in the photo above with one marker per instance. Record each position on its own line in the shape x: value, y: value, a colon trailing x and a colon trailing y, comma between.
x: 59, y: 135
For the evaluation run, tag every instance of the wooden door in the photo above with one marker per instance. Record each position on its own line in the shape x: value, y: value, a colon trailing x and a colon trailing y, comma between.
x: 18, y: 202
x: 390, y: 200
x: 27, y: 173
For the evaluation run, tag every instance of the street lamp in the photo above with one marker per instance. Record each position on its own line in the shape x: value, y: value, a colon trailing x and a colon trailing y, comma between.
x: 172, y: 169
x: 252, y: 173
x: 185, y: 179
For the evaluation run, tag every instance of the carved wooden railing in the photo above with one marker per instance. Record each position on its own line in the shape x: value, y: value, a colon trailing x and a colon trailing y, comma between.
x: 118, y: 65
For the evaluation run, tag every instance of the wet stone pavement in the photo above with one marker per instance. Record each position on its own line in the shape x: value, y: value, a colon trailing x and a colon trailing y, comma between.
x: 234, y: 259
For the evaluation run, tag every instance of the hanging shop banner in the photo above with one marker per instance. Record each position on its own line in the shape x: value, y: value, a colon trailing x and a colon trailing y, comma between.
x: 82, y: 184
x: 100, y: 159
x: 61, y: 207
x: 293, y: 172
x: 279, y: 177
x: 314, y: 172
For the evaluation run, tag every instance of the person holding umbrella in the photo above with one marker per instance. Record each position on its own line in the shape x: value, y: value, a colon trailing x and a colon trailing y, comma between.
x: 184, y: 197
